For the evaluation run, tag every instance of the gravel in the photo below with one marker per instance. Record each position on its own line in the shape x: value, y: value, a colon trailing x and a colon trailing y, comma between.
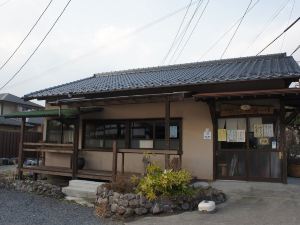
x: 18, y: 208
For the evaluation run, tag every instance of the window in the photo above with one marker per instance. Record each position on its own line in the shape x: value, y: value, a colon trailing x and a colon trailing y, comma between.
x: 142, y: 134
x: 150, y: 134
x: 60, y: 131
x: 100, y: 134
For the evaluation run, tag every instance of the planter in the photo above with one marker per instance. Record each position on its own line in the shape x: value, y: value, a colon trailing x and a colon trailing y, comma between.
x: 80, y: 163
x: 294, y: 170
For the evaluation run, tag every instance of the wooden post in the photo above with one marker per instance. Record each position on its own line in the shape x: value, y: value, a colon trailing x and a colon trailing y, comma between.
x: 75, y: 149
x: 212, y: 110
x: 21, y: 156
x: 114, y: 161
x: 282, y: 145
x: 123, y: 162
x: 167, y: 132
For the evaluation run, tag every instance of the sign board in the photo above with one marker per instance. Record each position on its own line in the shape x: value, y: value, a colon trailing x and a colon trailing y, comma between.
x: 207, y: 134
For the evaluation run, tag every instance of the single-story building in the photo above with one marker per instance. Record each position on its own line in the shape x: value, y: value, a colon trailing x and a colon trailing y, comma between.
x: 222, y: 119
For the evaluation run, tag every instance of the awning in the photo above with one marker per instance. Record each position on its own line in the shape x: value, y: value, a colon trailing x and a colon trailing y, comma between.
x: 66, y: 113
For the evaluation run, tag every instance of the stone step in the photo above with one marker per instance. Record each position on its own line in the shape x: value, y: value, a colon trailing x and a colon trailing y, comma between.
x: 85, y: 184
x: 80, y: 192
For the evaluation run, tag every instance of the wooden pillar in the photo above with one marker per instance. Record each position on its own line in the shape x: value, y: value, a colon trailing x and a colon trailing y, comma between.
x: 212, y: 109
x: 114, y: 161
x: 282, y: 142
x: 123, y: 162
x: 21, y: 156
x: 75, y: 149
x: 167, y: 132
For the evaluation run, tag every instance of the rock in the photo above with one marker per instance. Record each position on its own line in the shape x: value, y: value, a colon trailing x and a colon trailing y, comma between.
x: 167, y: 209
x: 200, y: 184
x: 133, y: 203
x: 129, y: 196
x: 123, y: 202
x: 116, y: 197
x: 156, y: 209
x: 140, y: 211
x: 113, y: 207
x: 129, y: 212
x: 185, y: 206
x: 121, y: 210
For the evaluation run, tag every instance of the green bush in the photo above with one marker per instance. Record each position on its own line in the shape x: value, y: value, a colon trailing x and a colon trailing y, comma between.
x: 169, y: 183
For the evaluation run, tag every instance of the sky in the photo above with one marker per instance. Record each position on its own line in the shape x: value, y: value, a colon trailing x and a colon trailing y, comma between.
x: 96, y: 36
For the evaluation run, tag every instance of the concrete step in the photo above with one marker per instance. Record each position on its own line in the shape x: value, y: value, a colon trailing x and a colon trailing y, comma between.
x: 85, y: 184
x: 80, y: 192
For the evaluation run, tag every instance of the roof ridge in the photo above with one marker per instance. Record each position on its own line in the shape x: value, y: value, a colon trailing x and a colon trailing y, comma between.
x: 184, y: 65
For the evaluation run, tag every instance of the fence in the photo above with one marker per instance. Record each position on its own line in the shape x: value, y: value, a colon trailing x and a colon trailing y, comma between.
x: 9, y: 142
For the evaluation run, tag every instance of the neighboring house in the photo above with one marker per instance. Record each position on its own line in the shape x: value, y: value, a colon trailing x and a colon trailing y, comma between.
x: 222, y: 119
x: 9, y: 104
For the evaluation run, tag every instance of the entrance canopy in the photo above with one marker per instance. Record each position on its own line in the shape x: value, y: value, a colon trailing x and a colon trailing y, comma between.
x: 44, y: 113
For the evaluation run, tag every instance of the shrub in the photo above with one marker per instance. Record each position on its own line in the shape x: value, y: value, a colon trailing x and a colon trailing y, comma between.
x: 169, y: 183
x: 121, y: 185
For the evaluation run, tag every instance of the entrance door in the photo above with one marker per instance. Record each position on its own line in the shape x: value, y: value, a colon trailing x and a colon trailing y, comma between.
x: 247, y: 149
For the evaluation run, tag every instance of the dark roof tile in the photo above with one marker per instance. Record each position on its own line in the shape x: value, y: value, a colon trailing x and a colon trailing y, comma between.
x: 238, y: 69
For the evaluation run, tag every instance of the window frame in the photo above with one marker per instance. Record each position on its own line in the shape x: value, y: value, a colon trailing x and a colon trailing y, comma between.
x: 128, y: 132
x: 62, y: 122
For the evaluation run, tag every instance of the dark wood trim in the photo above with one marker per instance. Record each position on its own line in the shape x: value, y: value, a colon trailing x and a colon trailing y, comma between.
x: 21, y: 155
x: 114, y: 162
x: 75, y: 150
x: 282, y: 145
x: 212, y: 110
x: 167, y: 131
x: 150, y: 151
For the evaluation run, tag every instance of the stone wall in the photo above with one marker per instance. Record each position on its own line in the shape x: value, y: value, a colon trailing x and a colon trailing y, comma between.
x: 117, y: 205
x: 39, y: 187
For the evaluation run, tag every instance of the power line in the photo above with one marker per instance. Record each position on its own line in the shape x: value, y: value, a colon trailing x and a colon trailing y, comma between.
x: 226, y: 32
x: 31, y: 29
x: 4, y: 3
x: 120, y: 38
x: 179, y: 29
x: 290, y: 16
x: 236, y: 30
x: 182, y: 35
x: 189, y: 37
x: 289, y: 27
x: 19, y: 70
x: 267, y: 24
x: 295, y: 50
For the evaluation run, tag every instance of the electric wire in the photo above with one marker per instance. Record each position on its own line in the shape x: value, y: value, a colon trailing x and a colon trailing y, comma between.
x: 24, y: 64
x: 191, y: 33
x: 223, y: 53
x: 289, y: 27
x: 182, y: 35
x: 295, y: 51
x: 177, y: 33
x: 21, y: 43
x: 290, y: 16
x: 212, y: 46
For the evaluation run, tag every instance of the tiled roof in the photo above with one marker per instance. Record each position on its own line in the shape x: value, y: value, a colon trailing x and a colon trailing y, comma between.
x: 6, y: 97
x: 219, y: 71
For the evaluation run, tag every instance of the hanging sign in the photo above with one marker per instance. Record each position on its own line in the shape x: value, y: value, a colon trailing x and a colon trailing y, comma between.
x: 268, y: 130
x: 258, y: 130
x: 207, y: 134
x: 231, y: 135
x: 222, y: 135
x: 240, y: 136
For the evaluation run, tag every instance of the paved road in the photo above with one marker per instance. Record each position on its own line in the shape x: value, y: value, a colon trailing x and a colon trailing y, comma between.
x: 28, y: 209
x: 254, y: 204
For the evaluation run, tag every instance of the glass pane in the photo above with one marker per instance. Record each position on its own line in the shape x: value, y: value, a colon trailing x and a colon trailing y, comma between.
x: 232, y: 133
x: 262, y: 133
x: 259, y: 164
x: 54, y: 131
x: 142, y: 130
x: 94, y: 135
x: 68, y: 133
x: 276, y: 160
x: 231, y: 164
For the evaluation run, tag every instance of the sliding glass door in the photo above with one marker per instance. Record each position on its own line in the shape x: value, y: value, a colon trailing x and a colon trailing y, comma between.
x: 247, y: 148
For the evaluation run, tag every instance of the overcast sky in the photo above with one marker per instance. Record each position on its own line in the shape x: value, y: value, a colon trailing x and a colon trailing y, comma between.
x: 99, y: 35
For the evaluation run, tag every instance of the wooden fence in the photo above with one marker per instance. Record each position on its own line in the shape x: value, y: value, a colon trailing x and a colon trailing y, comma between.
x: 9, y: 142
